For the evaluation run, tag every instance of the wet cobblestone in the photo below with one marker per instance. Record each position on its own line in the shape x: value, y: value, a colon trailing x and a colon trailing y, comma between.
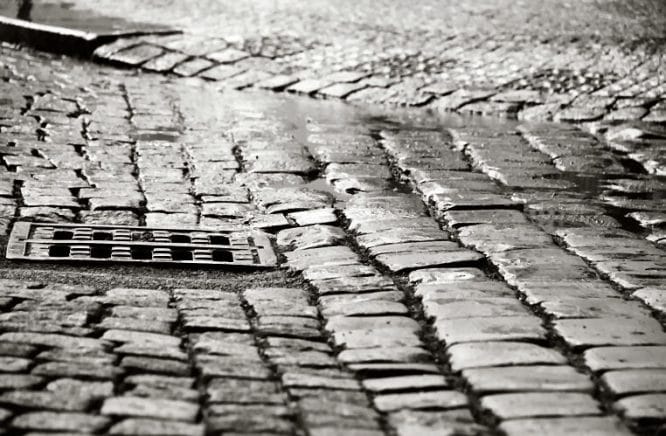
x: 438, y: 262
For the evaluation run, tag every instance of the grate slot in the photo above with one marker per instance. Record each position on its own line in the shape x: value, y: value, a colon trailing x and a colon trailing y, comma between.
x: 72, y: 242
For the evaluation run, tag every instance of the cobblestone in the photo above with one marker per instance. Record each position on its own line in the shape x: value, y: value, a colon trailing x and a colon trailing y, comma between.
x: 390, y: 321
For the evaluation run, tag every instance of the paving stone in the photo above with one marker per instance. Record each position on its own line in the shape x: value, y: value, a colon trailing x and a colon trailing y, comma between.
x: 527, y: 378
x: 14, y: 364
x: 594, y: 308
x: 229, y: 390
x: 540, y: 404
x: 59, y: 421
x: 216, y: 366
x: 446, y: 275
x: 610, y: 331
x: 19, y: 381
x: 303, y: 380
x: 449, y: 422
x: 407, y: 261
x: 341, y: 90
x: 387, y: 354
x: 399, y: 236
x: 364, y: 308
x: 308, y: 86
x: 420, y: 400
x: 135, y: 324
x: 400, y: 224
x: 109, y: 217
x: 254, y: 422
x: 415, y: 247
x: 135, y: 427
x: 159, y: 381
x: 337, y: 255
x: 327, y: 272
x: 326, y: 301
x: 458, y: 218
x: 561, y: 290
x: 589, y: 425
x: 639, y: 407
x: 487, y: 354
x: 634, y: 381
x: 346, y: 323
x: 655, y: 297
x: 496, y: 238
x: 150, y: 408
x: 310, y: 237
x: 145, y: 313
x: 85, y: 356
x: 156, y: 365
x: 314, y: 216
x: 442, y: 308
x: 405, y: 383
x: 380, y: 369
x: 354, y: 285
x: 490, y: 329
x: 63, y: 395
x: 137, y: 297
x: 605, y: 358
x: 142, y: 338
x: 91, y: 370
x: 463, y: 291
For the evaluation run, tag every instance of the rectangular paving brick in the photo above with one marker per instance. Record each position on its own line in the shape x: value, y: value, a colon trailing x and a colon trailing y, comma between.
x: 610, y: 331
x: 527, y: 378
x: 538, y: 404
x: 488, y: 354
x: 627, y: 357
x: 490, y: 329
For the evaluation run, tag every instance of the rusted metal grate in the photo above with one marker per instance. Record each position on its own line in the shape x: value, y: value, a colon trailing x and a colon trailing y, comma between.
x: 97, y: 243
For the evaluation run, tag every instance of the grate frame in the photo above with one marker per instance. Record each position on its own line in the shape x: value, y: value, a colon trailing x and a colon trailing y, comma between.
x: 56, y: 242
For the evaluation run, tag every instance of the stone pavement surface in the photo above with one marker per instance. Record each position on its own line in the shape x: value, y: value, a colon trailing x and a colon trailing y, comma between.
x: 448, y: 275
x: 569, y: 61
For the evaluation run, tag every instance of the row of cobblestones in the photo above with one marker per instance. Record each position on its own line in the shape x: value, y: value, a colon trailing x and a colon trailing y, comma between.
x: 404, y: 328
x: 579, y: 305
x: 506, y: 76
x: 555, y: 381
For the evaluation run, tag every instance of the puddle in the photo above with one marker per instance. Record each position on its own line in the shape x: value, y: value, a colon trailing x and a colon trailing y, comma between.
x: 64, y: 14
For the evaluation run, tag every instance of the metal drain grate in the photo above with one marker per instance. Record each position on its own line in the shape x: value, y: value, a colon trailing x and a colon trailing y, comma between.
x: 69, y: 242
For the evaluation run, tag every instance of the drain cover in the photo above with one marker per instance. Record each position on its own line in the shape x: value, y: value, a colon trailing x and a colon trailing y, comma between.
x: 75, y: 242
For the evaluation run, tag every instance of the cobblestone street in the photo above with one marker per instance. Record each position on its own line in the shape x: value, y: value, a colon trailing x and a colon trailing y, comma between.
x: 437, y: 273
